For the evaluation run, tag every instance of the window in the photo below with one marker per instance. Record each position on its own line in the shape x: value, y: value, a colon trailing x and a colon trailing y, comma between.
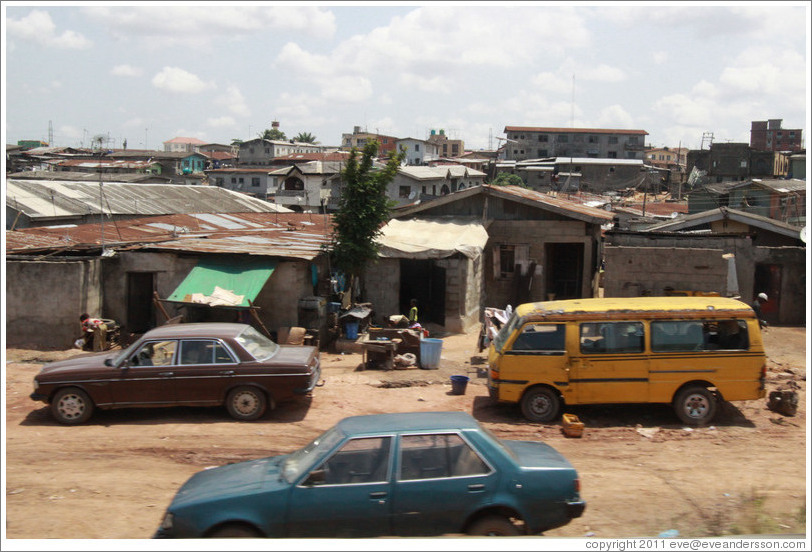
x: 542, y: 153
x: 543, y: 137
x: 563, y: 138
x: 255, y: 181
x: 233, y: 179
x: 154, y: 353
x: 611, y: 337
x: 541, y: 338
x: 435, y: 456
x: 632, y: 141
x: 593, y: 139
x: 363, y: 460
x: 267, y: 150
x: 613, y: 139
x: 417, y: 147
x: 577, y: 138
x: 404, y: 191
x: 241, y: 180
x: 203, y: 352
x: 218, y: 182
x: 698, y: 335
x: 507, y: 256
x: 611, y: 154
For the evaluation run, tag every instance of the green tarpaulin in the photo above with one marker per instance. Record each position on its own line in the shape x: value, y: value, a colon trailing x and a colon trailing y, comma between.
x: 224, y: 283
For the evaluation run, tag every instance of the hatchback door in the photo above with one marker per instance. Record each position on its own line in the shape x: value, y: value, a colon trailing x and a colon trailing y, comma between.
x: 347, y: 495
x: 441, y: 478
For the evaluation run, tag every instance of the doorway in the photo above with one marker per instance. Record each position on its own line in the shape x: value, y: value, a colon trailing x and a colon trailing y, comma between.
x: 425, y: 281
x: 140, y: 307
x: 768, y: 280
x: 564, y: 268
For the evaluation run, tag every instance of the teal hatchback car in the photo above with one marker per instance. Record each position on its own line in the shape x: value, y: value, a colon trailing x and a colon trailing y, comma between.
x: 410, y: 474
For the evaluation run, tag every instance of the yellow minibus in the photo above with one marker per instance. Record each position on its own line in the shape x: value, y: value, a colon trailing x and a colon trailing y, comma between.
x: 691, y: 352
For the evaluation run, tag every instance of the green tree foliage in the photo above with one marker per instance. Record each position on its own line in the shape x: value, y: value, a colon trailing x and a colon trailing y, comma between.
x: 305, y: 137
x: 362, y: 209
x: 507, y: 179
x: 273, y: 134
x: 236, y: 141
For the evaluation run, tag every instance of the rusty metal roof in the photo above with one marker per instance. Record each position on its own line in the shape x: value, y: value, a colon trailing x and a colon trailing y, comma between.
x: 287, y: 235
x: 567, y: 206
x: 43, y: 199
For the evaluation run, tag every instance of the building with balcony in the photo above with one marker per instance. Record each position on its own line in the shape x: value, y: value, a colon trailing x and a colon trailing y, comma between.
x: 358, y: 139
x: 540, y: 142
x: 260, y: 152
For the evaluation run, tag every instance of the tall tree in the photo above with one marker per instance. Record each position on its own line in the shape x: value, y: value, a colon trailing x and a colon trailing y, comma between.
x: 273, y: 134
x: 305, y: 137
x: 363, y: 208
x: 507, y: 179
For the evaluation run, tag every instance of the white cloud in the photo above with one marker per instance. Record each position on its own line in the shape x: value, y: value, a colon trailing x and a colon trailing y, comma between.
x: 615, y: 116
x: 659, y: 57
x: 179, y: 81
x: 125, y: 70
x: 221, y: 122
x: 136, y: 122
x: 38, y: 27
x: 201, y: 26
x: 602, y: 73
x: 234, y: 101
x: 434, y: 85
x: 347, y: 89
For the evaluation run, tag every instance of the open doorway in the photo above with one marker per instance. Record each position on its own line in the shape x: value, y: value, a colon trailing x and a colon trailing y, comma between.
x: 140, y: 308
x: 768, y: 280
x: 425, y: 281
x: 564, y: 267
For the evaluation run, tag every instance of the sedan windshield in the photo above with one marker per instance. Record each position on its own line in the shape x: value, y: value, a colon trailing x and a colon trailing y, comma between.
x: 259, y: 346
x: 303, y: 459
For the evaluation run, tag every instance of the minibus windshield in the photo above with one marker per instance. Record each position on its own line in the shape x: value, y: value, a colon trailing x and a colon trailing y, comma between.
x: 504, y: 333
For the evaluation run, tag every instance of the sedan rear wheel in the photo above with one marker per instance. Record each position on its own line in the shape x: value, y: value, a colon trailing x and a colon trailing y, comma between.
x: 71, y: 406
x: 493, y: 526
x: 246, y: 403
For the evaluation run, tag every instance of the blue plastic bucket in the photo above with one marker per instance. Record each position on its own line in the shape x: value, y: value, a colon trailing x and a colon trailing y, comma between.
x: 333, y: 307
x: 351, y: 330
x: 430, y: 353
x: 458, y: 385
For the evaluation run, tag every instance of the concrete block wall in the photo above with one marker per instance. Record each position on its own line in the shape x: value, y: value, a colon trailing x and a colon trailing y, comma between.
x: 44, y: 301
x: 636, y: 271
x: 382, y: 288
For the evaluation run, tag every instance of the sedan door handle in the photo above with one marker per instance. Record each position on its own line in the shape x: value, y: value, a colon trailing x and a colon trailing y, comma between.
x: 476, y: 487
x: 227, y: 373
x: 381, y: 494
x: 166, y: 374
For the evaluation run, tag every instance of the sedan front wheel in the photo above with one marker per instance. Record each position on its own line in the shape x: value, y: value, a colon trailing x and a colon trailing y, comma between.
x: 493, y: 526
x: 246, y: 403
x: 71, y: 406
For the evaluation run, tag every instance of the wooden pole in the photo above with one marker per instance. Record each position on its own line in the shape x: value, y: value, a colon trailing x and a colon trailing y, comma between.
x: 157, y: 300
x: 253, y: 310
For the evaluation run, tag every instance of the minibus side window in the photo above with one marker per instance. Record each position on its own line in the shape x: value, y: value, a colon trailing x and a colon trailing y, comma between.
x: 540, y: 338
x: 728, y: 334
x: 611, y: 337
x: 679, y: 335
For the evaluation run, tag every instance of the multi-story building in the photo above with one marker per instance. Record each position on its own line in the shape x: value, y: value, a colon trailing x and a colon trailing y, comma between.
x: 667, y: 158
x: 261, y: 152
x: 358, y: 139
x: 183, y: 144
x: 732, y: 161
x: 418, y: 152
x: 540, y: 142
x: 769, y: 136
x: 446, y: 147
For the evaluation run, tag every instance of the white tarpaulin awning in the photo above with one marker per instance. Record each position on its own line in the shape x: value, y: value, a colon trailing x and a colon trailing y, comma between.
x: 423, y: 239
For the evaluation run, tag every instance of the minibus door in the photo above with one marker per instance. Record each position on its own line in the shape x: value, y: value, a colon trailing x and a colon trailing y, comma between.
x: 537, y: 355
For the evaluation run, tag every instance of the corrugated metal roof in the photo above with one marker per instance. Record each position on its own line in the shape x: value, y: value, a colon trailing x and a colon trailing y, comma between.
x: 564, y: 130
x: 296, y: 235
x: 431, y: 173
x: 48, y: 199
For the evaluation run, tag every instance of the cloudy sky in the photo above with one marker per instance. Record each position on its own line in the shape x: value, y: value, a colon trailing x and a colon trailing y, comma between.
x: 147, y: 73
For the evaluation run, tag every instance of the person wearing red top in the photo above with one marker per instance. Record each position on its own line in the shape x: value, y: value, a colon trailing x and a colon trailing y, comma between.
x: 94, y: 331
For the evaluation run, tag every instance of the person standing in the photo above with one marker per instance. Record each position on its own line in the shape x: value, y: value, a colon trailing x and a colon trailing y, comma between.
x: 760, y: 300
x: 413, y: 312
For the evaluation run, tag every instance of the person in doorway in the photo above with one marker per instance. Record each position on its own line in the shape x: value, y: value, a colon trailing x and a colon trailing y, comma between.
x: 94, y: 331
x: 413, y: 312
x: 760, y: 300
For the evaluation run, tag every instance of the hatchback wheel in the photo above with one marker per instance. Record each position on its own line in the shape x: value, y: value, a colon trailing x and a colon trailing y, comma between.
x: 493, y: 526
x: 71, y: 406
x: 246, y: 403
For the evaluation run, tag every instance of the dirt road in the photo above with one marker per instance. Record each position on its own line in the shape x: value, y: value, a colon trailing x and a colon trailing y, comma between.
x: 642, y: 472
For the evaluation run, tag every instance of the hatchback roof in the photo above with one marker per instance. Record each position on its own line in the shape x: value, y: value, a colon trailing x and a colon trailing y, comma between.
x: 407, y: 421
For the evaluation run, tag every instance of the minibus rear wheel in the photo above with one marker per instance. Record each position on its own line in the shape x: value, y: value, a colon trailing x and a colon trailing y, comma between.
x: 695, y: 405
x: 541, y: 404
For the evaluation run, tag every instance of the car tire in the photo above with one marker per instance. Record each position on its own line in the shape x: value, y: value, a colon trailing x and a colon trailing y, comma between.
x: 540, y: 404
x: 493, y: 526
x: 695, y: 405
x: 71, y: 406
x: 235, y: 531
x: 246, y: 403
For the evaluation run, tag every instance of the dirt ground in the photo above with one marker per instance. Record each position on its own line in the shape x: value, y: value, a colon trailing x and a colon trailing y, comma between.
x: 642, y: 472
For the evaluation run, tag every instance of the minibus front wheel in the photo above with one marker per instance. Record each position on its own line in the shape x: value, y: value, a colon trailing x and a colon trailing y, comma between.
x: 541, y: 404
x: 695, y: 405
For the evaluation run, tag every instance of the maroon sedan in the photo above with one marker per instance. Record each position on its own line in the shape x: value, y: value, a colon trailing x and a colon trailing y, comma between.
x: 205, y: 364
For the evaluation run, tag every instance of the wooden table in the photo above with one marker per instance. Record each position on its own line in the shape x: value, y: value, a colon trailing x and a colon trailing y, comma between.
x: 386, y: 347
